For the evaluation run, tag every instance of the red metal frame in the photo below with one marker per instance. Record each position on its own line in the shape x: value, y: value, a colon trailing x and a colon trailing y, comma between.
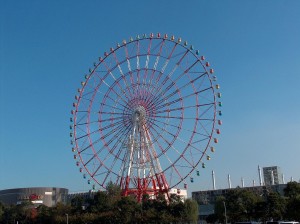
x: 176, y: 89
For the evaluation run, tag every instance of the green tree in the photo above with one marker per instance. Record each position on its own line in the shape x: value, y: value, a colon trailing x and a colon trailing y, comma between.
x: 60, y: 213
x: 261, y: 211
x: 160, y: 204
x: 1, y: 212
x: 275, y: 206
x: 127, y: 210
x: 176, y: 208
x: 293, y: 208
x: 10, y: 214
x: 292, y: 193
x: 292, y: 190
x: 113, y: 190
x: 219, y: 210
x: 240, y: 204
x: 190, y: 211
x: 44, y: 214
x: 78, y: 204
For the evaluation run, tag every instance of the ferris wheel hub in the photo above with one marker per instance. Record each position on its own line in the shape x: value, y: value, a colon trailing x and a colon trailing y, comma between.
x: 139, y: 114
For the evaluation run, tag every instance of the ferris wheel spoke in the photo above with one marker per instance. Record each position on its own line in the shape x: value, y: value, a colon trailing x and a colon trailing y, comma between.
x: 115, y: 103
x: 201, y: 140
x: 86, y: 111
x: 128, y: 63
x: 106, y: 96
x: 191, y: 144
x: 177, y: 117
x: 166, y: 63
x: 181, y: 98
x: 109, y: 119
x: 161, y: 44
x: 87, y: 147
x: 119, y: 127
x: 110, y: 169
x: 85, y: 123
x: 86, y: 94
x: 182, y: 108
x: 168, y: 77
x: 122, y: 135
x: 112, y: 113
x: 164, y: 130
x: 99, y: 174
x: 103, y: 94
x: 106, y: 176
x: 137, y: 85
x: 97, y: 141
x: 121, y: 71
x: 187, y: 143
x: 80, y: 119
x: 190, y: 165
x: 81, y: 144
x: 114, y: 78
x: 162, y: 71
x: 148, y: 55
x: 110, y: 154
x: 112, y: 131
x: 207, y: 110
x: 152, y: 155
x: 164, y: 91
x: 147, y: 61
x: 137, y: 55
x: 208, y: 134
x: 183, y: 87
x: 161, y: 136
x: 167, y: 157
x: 111, y: 89
x: 116, y: 125
x: 180, y: 127
x: 101, y: 149
x: 177, y: 172
x: 96, y: 171
x: 101, y: 129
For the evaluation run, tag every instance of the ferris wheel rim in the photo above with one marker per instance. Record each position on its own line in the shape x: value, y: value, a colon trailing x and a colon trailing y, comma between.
x: 101, y: 60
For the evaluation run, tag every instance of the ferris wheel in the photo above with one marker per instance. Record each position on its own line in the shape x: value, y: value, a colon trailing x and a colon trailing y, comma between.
x: 146, y: 116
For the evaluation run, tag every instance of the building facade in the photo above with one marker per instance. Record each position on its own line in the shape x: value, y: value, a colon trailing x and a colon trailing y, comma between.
x: 272, y: 175
x: 48, y: 196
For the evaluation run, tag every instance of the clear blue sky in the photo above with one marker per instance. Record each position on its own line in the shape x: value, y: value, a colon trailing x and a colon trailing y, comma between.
x: 46, y: 47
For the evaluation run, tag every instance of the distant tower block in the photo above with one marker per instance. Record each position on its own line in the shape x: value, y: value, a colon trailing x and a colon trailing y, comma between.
x: 253, y: 183
x: 243, y: 182
x: 272, y: 175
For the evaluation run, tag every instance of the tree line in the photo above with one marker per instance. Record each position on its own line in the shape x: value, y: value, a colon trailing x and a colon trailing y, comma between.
x: 105, y: 207
x: 246, y: 205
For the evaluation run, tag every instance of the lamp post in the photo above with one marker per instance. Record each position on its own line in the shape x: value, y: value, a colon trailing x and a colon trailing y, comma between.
x: 225, y: 212
x: 67, y: 218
